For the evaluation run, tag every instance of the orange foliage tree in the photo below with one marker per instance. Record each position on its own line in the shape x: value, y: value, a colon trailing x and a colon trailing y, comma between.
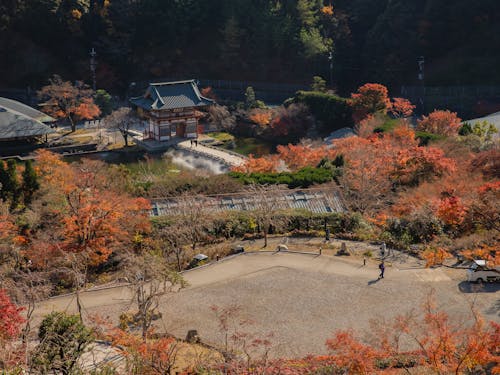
x: 10, y: 318
x: 299, y: 156
x: 148, y: 357
x: 370, y: 98
x: 485, y: 206
x: 440, y: 122
x: 352, y: 355
x: 327, y: 10
x: 64, y: 100
x: 490, y: 253
x: 451, y: 210
x: 261, y: 117
x: 401, y: 107
x: 92, y: 217
x: 269, y: 163
x: 377, y: 164
x: 442, y: 345
x: 435, y: 256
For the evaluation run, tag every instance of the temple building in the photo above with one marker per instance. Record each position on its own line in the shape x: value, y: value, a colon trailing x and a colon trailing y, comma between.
x: 19, y: 122
x: 172, y: 110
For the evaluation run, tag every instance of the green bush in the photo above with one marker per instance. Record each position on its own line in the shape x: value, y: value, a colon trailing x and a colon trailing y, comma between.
x: 426, y: 138
x: 301, y: 179
x: 332, y: 111
x: 63, y: 339
x: 388, y: 125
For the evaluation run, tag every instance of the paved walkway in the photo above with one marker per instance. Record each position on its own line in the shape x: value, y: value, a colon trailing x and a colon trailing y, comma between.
x: 230, y: 159
x: 301, y: 298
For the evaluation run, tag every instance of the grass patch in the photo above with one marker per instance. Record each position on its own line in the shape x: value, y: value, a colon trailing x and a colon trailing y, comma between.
x: 387, y: 126
x: 221, y: 136
x: 247, y: 146
x: 81, y: 140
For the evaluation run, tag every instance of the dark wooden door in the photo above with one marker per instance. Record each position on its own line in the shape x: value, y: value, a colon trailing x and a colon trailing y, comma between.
x: 181, y: 130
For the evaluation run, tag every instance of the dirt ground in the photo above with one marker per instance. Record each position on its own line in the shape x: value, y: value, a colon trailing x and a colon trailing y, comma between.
x: 301, y: 299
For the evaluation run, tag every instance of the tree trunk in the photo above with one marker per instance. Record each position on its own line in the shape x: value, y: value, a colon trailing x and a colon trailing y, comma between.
x: 125, y: 137
x: 178, y: 256
x: 73, y: 125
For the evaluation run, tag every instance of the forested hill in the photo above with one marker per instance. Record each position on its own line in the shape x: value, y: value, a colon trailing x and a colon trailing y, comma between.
x: 274, y: 40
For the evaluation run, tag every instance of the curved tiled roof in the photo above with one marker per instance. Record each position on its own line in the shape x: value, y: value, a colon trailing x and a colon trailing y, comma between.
x: 171, y: 95
x: 25, y: 110
x: 16, y: 125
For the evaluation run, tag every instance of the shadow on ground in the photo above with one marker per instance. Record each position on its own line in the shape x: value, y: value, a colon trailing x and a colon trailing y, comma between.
x: 467, y: 287
x: 371, y: 282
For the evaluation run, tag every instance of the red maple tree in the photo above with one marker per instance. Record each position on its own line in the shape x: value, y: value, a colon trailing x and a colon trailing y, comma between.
x: 440, y: 122
x: 10, y: 317
x: 370, y: 98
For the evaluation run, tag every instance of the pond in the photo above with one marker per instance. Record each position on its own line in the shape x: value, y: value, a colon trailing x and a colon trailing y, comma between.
x: 172, y: 159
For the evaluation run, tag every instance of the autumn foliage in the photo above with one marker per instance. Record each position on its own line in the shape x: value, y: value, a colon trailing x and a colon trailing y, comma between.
x: 92, y: 218
x: 401, y: 107
x: 440, y: 122
x: 10, y: 318
x: 370, y: 98
x: 149, y: 357
x: 64, y: 100
x: 261, y: 117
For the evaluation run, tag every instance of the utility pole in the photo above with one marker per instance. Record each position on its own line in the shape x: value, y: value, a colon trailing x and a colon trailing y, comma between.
x: 330, y: 59
x: 421, y: 65
x: 93, y: 65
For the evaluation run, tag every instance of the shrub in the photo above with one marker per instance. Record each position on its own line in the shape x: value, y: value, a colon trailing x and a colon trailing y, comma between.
x: 63, y: 339
x: 440, y: 122
x: 425, y: 138
x: 332, y: 111
x: 303, y: 178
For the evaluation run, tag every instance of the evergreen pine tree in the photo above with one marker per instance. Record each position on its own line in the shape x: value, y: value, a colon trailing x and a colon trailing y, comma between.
x: 12, y: 184
x: 4, y: 177
x: 30, y: 182
x: 249, y: 97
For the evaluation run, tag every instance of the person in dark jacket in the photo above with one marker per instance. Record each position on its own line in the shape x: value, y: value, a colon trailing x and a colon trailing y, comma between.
x: 381, y: 267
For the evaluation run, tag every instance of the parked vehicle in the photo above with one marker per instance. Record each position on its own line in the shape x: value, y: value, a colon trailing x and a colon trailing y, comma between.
x: 479, y: 272
x: 237, y: 249
x: 198, y: 260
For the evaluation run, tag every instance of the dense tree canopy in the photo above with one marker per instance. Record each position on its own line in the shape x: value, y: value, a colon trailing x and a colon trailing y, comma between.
x: 371, y: 40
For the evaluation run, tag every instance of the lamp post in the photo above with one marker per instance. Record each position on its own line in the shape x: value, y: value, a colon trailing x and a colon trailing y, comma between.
x: 93, y: 65
x: 421, y: 66
x: 330, y: 59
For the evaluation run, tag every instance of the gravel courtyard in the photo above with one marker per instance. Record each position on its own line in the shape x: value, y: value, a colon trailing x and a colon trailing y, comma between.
x: 299, y: 298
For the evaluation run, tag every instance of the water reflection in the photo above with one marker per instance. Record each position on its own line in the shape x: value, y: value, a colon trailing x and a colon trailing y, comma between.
x: 180, y: 158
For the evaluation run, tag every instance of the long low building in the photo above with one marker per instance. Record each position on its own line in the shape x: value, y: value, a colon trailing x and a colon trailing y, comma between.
x: 26, y: 110
x: 312, y: 200
x: 16, y: 126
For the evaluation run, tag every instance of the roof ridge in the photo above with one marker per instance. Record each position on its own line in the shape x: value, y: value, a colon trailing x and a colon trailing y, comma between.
x: 170, y: 83
x: 158, y: 96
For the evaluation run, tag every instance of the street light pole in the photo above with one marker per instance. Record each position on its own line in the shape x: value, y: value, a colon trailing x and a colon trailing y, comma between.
x: 93, y: 65
x: 421, y: 66
x: 330, y: 59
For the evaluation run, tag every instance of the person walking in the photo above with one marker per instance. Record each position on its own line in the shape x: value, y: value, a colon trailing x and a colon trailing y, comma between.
x: 381, y: 267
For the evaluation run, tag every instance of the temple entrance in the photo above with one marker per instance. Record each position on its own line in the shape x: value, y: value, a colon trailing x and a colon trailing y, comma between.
x: 181, y: 130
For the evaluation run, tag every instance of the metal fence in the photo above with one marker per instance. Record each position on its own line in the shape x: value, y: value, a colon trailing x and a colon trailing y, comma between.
x: 468, y: 101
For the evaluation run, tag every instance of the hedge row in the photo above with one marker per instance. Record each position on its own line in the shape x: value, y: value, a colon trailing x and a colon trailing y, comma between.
x: 301, y: 179
x: 332, y: 111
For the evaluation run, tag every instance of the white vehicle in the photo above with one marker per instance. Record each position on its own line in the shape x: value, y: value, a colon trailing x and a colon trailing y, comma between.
x: 479, y: 272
